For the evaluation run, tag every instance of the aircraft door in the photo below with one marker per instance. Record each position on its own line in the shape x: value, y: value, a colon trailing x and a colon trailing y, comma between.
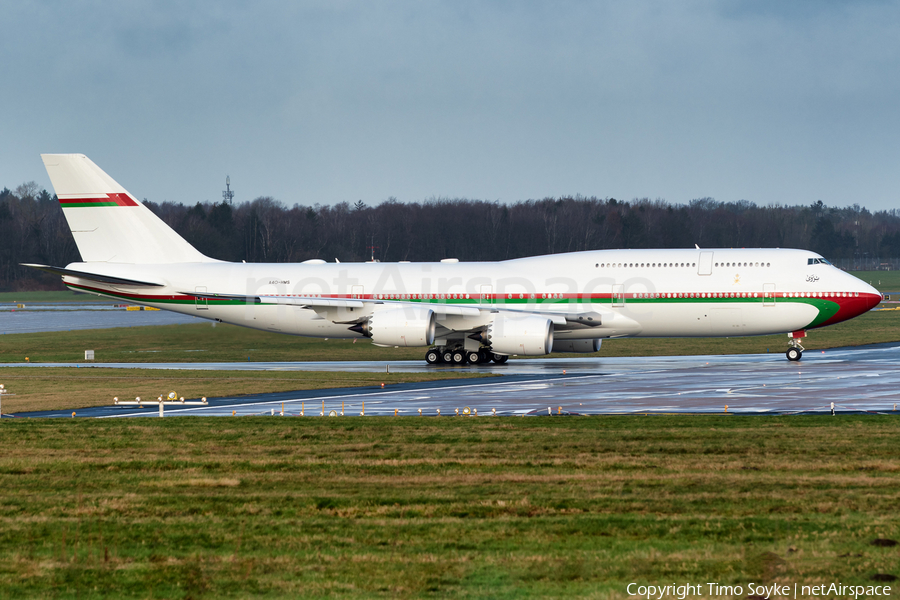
x: 357, y: 291
x: 200, y: 303
x: 769, y: 294
x: 487, y: 294
x: 704, y: 267
x: 618, y: 295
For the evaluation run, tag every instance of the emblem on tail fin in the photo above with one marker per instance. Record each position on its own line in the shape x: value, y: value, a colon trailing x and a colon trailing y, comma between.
x: 105, y: 200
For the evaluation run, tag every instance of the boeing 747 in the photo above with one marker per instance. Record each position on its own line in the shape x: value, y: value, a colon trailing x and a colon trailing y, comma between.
x: 462, y: 312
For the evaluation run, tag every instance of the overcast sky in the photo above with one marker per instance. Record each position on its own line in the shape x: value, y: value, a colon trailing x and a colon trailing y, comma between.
x: 323, y: 102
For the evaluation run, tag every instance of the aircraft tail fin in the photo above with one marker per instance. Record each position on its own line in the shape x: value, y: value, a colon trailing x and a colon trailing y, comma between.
x: 108, y: 223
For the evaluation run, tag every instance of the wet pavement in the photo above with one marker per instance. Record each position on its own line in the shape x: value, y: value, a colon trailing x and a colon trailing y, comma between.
x: 70, y: 316
x: 855, y: 379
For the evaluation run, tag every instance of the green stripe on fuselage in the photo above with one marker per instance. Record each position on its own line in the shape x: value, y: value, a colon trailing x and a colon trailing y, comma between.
x: 826, y: 308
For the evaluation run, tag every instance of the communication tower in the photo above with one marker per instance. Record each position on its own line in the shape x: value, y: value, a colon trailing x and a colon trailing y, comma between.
x: 227, y: 195
x: 373, y: 248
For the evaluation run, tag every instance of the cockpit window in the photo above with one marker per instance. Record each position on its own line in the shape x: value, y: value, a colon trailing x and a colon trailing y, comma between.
x: 817, y: 261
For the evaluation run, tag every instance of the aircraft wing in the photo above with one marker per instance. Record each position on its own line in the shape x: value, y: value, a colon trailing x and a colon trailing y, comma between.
x: 310, y: 302
x: 559, y: 318
x: 306, y: 302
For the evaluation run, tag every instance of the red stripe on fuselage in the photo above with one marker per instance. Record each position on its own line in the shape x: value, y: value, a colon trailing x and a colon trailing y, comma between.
x: 848, y: 307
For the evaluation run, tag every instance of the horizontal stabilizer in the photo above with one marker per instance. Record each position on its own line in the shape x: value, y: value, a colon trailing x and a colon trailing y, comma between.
x: 93, y: 276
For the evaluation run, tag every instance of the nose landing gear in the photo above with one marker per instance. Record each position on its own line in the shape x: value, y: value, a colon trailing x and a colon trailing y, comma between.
x: 795, y: 352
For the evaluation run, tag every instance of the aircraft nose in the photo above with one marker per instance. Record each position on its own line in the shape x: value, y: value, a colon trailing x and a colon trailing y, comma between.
x: 866, y: 298
x: 861, y: 299
x: 871, y: 296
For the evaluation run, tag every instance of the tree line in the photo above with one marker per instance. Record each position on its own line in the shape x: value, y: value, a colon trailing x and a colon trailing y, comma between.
x: 33, y: 229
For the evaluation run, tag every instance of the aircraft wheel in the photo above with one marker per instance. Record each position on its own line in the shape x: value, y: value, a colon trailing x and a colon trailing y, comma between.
x: 475, y: 357
x: 794, y: 354
x: 459, y: 357
x: 433, y: 357
x: 500, y: 358
x: 447, y: 356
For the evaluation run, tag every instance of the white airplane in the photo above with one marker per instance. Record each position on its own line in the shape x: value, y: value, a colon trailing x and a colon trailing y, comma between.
x: 463, y: 312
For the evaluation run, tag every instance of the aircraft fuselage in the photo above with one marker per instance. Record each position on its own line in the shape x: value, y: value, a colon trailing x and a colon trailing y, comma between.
x: 645, y: 293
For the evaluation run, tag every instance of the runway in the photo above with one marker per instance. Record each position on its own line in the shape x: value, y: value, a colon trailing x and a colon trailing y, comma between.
x: 856, y: 379
x: 71, y: 316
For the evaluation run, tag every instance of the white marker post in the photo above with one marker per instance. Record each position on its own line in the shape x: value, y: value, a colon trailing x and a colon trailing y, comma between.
x: 172, y: 398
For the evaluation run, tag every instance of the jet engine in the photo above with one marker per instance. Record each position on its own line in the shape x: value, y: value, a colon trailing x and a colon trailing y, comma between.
x: 406, y: 326
x: 530, y: 335
x: 577, y: 345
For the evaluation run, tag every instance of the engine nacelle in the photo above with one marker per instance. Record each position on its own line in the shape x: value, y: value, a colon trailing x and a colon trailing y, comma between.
x: 530, y: 335
x: 577, y: 345
x: 406, y: 326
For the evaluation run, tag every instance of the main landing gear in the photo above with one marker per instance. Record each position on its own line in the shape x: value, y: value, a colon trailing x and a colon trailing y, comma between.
x: 459, y: 356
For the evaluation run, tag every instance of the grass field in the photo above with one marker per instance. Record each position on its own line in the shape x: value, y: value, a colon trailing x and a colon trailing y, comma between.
x: 883, y: 281
x: 55, y: 388
x: 442, y: 507
x: 228, y: 343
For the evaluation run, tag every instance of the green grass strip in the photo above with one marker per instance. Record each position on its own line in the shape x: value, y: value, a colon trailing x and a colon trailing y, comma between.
x: 354, y: 507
